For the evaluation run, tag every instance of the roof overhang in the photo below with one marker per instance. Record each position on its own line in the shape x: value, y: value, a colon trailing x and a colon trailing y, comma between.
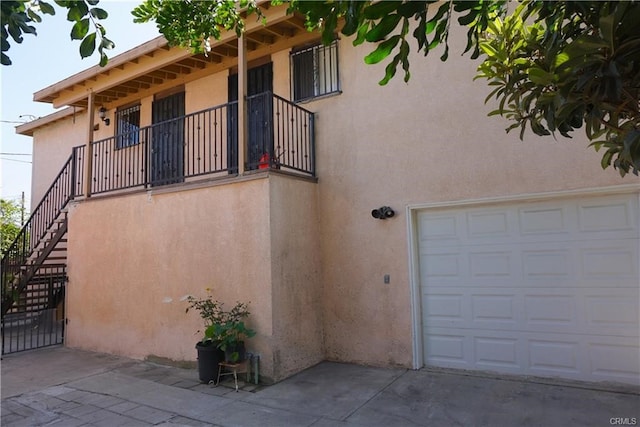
x: 155, y: 66
x: 27, y: 129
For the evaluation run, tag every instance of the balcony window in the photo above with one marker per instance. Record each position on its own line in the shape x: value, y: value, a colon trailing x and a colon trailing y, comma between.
x: 128, y: 126
x: 314, y: 71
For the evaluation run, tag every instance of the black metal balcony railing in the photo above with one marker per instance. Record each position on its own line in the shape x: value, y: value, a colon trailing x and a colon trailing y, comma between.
x: 280, y: 136
x: 205, y: 143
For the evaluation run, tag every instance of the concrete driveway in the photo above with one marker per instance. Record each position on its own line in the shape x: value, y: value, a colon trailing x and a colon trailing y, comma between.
x: 65, y: 387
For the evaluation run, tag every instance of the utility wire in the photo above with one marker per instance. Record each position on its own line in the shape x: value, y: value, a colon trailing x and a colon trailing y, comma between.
x: 14, y: 160
x: 15, y: 154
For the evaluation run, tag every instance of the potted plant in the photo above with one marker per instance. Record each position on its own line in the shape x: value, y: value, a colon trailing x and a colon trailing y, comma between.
x: 208, y: 348
x: 224, y: 333
x: 232, y: 331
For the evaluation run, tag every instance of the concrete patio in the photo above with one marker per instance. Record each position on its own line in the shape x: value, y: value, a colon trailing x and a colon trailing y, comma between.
x: 64, y: 387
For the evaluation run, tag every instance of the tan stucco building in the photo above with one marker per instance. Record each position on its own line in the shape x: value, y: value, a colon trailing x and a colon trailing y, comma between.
x: 518, y: 257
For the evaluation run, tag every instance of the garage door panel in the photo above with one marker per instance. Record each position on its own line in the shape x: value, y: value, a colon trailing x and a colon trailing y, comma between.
x: 495, y: 309
x: 447, y: 349
x: 612, y: 217
x: 540, y: 354
x: 446, y: 266
x: 549, y: 264
x: 614, y: 313
x: 497, y: 352
x: 551, y: 312
x: 546, y: 288
x: 553, y: 357
x: 566, y: 310
x: 614, y: 358
x: 610, y: 260
x: 545, y: 219
x: 608, y: 214
x: 445, y: 227
x: 490, y: 224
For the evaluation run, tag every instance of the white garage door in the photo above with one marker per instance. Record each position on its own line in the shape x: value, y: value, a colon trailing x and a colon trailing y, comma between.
x: 545, y: 288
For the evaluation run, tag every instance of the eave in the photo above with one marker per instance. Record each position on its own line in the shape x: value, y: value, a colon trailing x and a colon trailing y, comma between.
x: 155, y: 66
x: 27, y: 129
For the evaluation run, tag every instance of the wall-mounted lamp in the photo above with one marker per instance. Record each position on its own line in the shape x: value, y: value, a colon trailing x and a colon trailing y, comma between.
x: 383, y: 213
x: 102, y: 113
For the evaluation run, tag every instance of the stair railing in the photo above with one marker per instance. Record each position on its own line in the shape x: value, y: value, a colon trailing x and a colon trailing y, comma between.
x: 61, y: 191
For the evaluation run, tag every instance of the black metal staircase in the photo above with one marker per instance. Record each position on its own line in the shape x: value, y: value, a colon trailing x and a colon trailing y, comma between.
x: 33, y: 274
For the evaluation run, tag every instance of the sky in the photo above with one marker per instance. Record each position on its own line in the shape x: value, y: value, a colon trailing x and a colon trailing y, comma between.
x: 39, y: 62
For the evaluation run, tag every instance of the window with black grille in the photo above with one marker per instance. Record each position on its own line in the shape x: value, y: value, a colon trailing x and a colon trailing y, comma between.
x: 314, y: 71
x: 128, y: 126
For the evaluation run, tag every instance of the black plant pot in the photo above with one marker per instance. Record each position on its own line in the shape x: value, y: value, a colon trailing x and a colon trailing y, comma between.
x: 238, y: 348
x: 209, y: 356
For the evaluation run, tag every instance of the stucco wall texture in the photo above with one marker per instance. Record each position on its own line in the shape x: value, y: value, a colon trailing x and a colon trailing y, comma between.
x: 132, y: 259
x: 308, y: 256
x: 428, y: 140
x: 52, y: 147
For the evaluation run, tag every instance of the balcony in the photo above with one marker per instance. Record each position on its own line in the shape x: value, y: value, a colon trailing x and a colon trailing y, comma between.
x: 204, y: 144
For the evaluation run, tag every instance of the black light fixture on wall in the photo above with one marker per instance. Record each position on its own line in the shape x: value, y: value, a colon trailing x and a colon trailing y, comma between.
x: 383, y: 213
x: 102, y: 113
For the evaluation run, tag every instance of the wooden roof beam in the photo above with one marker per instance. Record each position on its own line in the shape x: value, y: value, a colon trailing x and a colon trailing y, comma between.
x: 262, y: 39
x: 135, y: 84
x: 194, y: 63
x: 177, y: 69
x: 152, y: 55
x: 281, y: 31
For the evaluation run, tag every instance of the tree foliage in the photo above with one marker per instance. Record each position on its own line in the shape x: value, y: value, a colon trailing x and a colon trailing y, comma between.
x: 192, y: 23
x: 557, y: 74
x: 10, y: 215
x: 553, y: 67
x: 20, y: 17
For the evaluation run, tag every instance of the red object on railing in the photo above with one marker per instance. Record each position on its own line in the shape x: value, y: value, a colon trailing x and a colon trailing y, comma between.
x: 264, y: 161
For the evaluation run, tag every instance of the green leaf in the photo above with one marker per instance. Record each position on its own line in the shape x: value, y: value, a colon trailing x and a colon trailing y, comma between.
x: 47, y: 8
x: 88, y: 45
x: 404, y: 57
x: 390, y: 71
x: 382, y: 51
x: 489, y: 49
x: 33, y: 16
x: 27, y: 29
x: 362, y: 32
x: 606, y: 159
x: 80, y: 29
x: 461, y: 6
x: 411, y: 8
x: 560, y: 59
x: 77, y: 12
x: 383, y: 28
x: 381, y: 9
x: 583, y: 44
x: 98, y: 13
x: 106, y: 44
x: 540, y: 76
x: 607, y: 28
x: 467, y: 19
